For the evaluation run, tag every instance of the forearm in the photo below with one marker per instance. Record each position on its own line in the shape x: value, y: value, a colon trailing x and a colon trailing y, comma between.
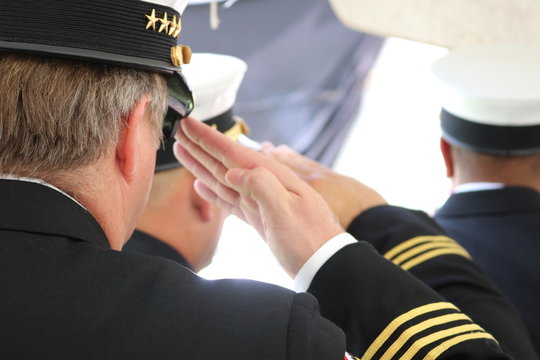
x: 384, y: 310
x: 296, y: 221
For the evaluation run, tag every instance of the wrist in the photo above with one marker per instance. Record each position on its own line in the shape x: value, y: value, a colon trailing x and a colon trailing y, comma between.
x: 307, y: 272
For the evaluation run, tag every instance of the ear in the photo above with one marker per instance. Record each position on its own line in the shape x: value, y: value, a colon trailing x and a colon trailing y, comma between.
x: 446, y: 150
x: 205, y: 209
x: 127, y: 150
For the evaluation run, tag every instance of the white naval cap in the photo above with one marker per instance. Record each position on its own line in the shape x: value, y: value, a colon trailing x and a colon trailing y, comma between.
x: 214, y: 80
x: 448, y: 23
x: 490, y: 97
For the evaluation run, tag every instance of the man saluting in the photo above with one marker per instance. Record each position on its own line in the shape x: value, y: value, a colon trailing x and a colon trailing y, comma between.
x: 83, y: 93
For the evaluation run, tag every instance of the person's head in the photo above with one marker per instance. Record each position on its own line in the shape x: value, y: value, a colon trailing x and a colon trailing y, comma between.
x: 490, y: 115
x: 84, y: 112
x: 465, y: 166
x: 175, y: 213
x: 60, y: 116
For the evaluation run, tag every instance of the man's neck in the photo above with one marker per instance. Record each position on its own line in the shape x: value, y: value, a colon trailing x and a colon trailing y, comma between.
x: 99, y: 199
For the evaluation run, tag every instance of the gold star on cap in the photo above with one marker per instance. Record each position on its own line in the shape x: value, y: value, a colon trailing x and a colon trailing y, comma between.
x: 164, y: 24
x: 172, y: 28
x: 178, y: 28
x: 152, y: 19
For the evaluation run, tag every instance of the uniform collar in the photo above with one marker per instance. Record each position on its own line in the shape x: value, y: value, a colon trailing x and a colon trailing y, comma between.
x: 477, y: 186
x: 38, y: 181
x: 31, y: 205
x: 510, y: 199
x: 142, y: 242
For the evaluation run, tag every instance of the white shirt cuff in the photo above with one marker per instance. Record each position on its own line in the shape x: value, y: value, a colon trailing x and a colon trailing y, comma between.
x: 316, y: 261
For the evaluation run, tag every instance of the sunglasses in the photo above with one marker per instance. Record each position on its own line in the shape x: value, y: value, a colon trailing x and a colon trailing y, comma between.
x: 180, y: 104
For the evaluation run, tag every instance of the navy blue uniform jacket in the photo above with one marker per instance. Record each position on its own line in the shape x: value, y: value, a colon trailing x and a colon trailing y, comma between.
x: 67, y: 295
x: 141, y: 242
x: 501, y: 230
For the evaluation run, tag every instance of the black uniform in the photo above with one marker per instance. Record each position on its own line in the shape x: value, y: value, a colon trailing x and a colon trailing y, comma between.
x: 67, y: 295
x: 501, y: 230
x: 141, y: 242
x: 447, y: 268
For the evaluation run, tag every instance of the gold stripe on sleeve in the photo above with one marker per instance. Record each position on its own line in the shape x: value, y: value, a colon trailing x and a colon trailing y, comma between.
x: 409, y: 254
x: 431, y: 254
x: 426, y: 247
x: 400, y: 320
x: 425, y: 341
x: 413, y: 330
x: 434, y: 354
x: 415, y: 241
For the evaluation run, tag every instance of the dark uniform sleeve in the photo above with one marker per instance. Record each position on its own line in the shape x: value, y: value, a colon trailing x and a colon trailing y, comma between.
x: 414, y: 242
x: 387, y: 313
x: 310, y: 336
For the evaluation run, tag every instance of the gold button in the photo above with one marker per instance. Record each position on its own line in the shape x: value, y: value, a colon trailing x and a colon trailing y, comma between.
x: 180, y: 55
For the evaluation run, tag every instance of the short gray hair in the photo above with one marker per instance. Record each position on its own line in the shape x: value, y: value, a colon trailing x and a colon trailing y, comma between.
x: 58, y: 115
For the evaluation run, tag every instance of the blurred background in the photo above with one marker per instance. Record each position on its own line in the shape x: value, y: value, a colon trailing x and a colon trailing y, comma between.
x: 359, y: 103
x: 392, y: 146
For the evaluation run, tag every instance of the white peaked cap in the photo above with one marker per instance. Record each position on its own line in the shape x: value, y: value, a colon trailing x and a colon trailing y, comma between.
x: 490, y: 95
x: 214, y: 80
x: 447, y: 23
x: 178, y: 5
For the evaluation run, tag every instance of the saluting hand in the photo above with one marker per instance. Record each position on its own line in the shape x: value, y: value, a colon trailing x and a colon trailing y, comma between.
x: 293, y: 219
x: 346, y: 196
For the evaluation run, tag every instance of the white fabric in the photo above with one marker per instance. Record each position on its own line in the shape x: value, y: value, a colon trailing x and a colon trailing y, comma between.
x: 178, y: 5
x: 38, y: 181
x: 447, y: 23
x: 214, y: 80
x: 244, y: 140
x: 477, y: 186
x: 495, y: 84
x: 316, y: 261
x: 202, y: 2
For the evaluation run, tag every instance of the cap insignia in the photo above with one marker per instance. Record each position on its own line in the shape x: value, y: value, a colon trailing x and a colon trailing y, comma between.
x: 170, y: 27
x: 176, y: 27
x: 152, y: 19
x: 180, y: 55
x: 240, y: 127
x: 164, y: 24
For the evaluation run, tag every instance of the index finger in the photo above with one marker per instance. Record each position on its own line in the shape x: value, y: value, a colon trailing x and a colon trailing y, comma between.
x: 218, y: 147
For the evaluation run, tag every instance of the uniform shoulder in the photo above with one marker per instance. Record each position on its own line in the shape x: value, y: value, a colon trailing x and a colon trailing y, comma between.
x: 229, y: 314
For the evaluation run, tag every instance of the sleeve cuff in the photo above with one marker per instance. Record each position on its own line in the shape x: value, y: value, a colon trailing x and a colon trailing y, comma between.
x: 316, y: 261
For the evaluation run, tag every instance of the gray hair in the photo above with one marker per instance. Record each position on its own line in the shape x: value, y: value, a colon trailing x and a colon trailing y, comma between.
x: 58, y: 115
